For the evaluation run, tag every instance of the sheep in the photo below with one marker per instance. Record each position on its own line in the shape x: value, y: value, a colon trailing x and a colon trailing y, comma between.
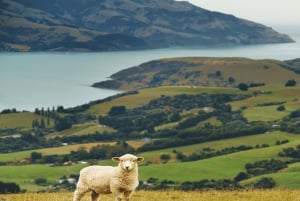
x: 121, y: 180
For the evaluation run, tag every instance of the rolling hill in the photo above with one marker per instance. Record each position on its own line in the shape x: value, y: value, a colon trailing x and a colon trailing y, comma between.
x: 186, y: 132
x: 212, y: 72
x: 79, y: 25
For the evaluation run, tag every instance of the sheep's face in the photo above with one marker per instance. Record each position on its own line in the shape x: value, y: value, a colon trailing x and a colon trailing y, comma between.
x: 127, y: 162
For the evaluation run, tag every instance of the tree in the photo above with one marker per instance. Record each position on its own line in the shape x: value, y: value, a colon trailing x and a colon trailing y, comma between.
x: 34, y: 156
x: 290, y: 83
x: 265, y: 182
x: 165, y: 157
x: 243, y: 86
x: 231, y: 80
x: 9, y: 187
x: 281, y: 108
x: 117, y: 110
x: 241, y: 176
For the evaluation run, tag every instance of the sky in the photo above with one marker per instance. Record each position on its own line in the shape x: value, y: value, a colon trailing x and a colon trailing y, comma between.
x: 267, y: 12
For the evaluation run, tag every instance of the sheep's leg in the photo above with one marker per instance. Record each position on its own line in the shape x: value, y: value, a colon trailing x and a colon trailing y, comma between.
x: 127, y: 195
x: 118, y: 197
x: 78, y: 195
x: 94, y: 196
x: 79, y: 192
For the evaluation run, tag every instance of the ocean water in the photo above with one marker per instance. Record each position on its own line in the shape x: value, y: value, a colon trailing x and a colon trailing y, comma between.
x: 45, y: 79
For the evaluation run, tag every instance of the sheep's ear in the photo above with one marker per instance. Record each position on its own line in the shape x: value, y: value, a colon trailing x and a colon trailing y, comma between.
x: 139, y: 159
x: 116, y: 159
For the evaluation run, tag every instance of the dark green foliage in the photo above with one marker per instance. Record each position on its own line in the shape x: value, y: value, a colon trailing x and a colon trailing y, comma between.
x: 290, y: 83
x: 265, y: 183
x: 117, y: 110
x: 165, y: 157
x: 280, y: 108
x: 221, y: 184
x: 9, y: 187
x: 145, y: 118
x: 243, y: 87
x: 291, y: 152
x: 264, y: 167
x: 35, y: 156
x: 241, y: 176
x: 291, y: 123
x: 40, y: 181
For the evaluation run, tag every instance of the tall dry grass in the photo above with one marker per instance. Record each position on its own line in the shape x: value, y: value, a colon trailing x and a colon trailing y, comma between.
x: 252, y: 195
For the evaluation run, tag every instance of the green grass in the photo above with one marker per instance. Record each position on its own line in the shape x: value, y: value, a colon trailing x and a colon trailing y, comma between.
x: 83, y: 129
x: 18, y: 120
x: 288, y: 178
x: 254, y: 112
x: 24, y: 175
x: 145, y: 95
x: 270, y: 139
x: 225, y: 166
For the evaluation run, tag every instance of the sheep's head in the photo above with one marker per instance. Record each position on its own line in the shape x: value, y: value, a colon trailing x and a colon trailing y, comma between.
x: 128, y: 161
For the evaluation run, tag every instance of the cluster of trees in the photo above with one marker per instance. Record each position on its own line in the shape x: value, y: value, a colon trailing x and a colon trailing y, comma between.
x: 260, y: 168
x: 98, y: 152
x: 163, y: 110
x: 291, y: 122
x: 61, y: 122
x: 9, y: 187
x: 291, y: 152
x: 209, y: 152
x: 27, y: 141
x: 205, y: 184
x: 185, y: 137
x: 9, y: 111
x: 244, y: 86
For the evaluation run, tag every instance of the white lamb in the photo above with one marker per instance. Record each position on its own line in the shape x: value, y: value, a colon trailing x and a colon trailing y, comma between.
x: 121, y: 180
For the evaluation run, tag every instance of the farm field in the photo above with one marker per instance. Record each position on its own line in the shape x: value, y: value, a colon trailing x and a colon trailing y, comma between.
x: 224, y: 166
x: 264, y: 145
x: 249, y: 195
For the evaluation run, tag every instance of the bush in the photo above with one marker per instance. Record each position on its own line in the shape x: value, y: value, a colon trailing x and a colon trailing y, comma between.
x: 9, y: 187
x: 40, y: 181
x: 243, y: 87
x: 265, y: 182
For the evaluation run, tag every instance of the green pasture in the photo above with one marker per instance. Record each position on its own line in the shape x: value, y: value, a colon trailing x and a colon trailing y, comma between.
x: 17, y: 156
x: 268, y: 139
x: 288, y: 178
x: 145, y: 95
x: 83, y: 129
x: 225, y: 166
x: 24, y: 175
x: 18, y: 120
x: 255, y: 112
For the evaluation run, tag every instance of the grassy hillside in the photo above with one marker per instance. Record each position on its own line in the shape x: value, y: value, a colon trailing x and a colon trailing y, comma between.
x: 226, y: 166
x: 261, y: 105
x: 18, y: 120
x: 201, y: 71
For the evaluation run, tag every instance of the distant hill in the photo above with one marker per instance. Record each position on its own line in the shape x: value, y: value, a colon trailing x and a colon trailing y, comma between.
x: 80, y: 25
x: 198, y: 71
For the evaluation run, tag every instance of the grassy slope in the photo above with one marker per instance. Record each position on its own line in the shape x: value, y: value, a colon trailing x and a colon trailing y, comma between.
x: 218, y: 167
x: 226, y: 166
x: 289, y: 95
x: 202, y: 72
x: 18, y: 120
